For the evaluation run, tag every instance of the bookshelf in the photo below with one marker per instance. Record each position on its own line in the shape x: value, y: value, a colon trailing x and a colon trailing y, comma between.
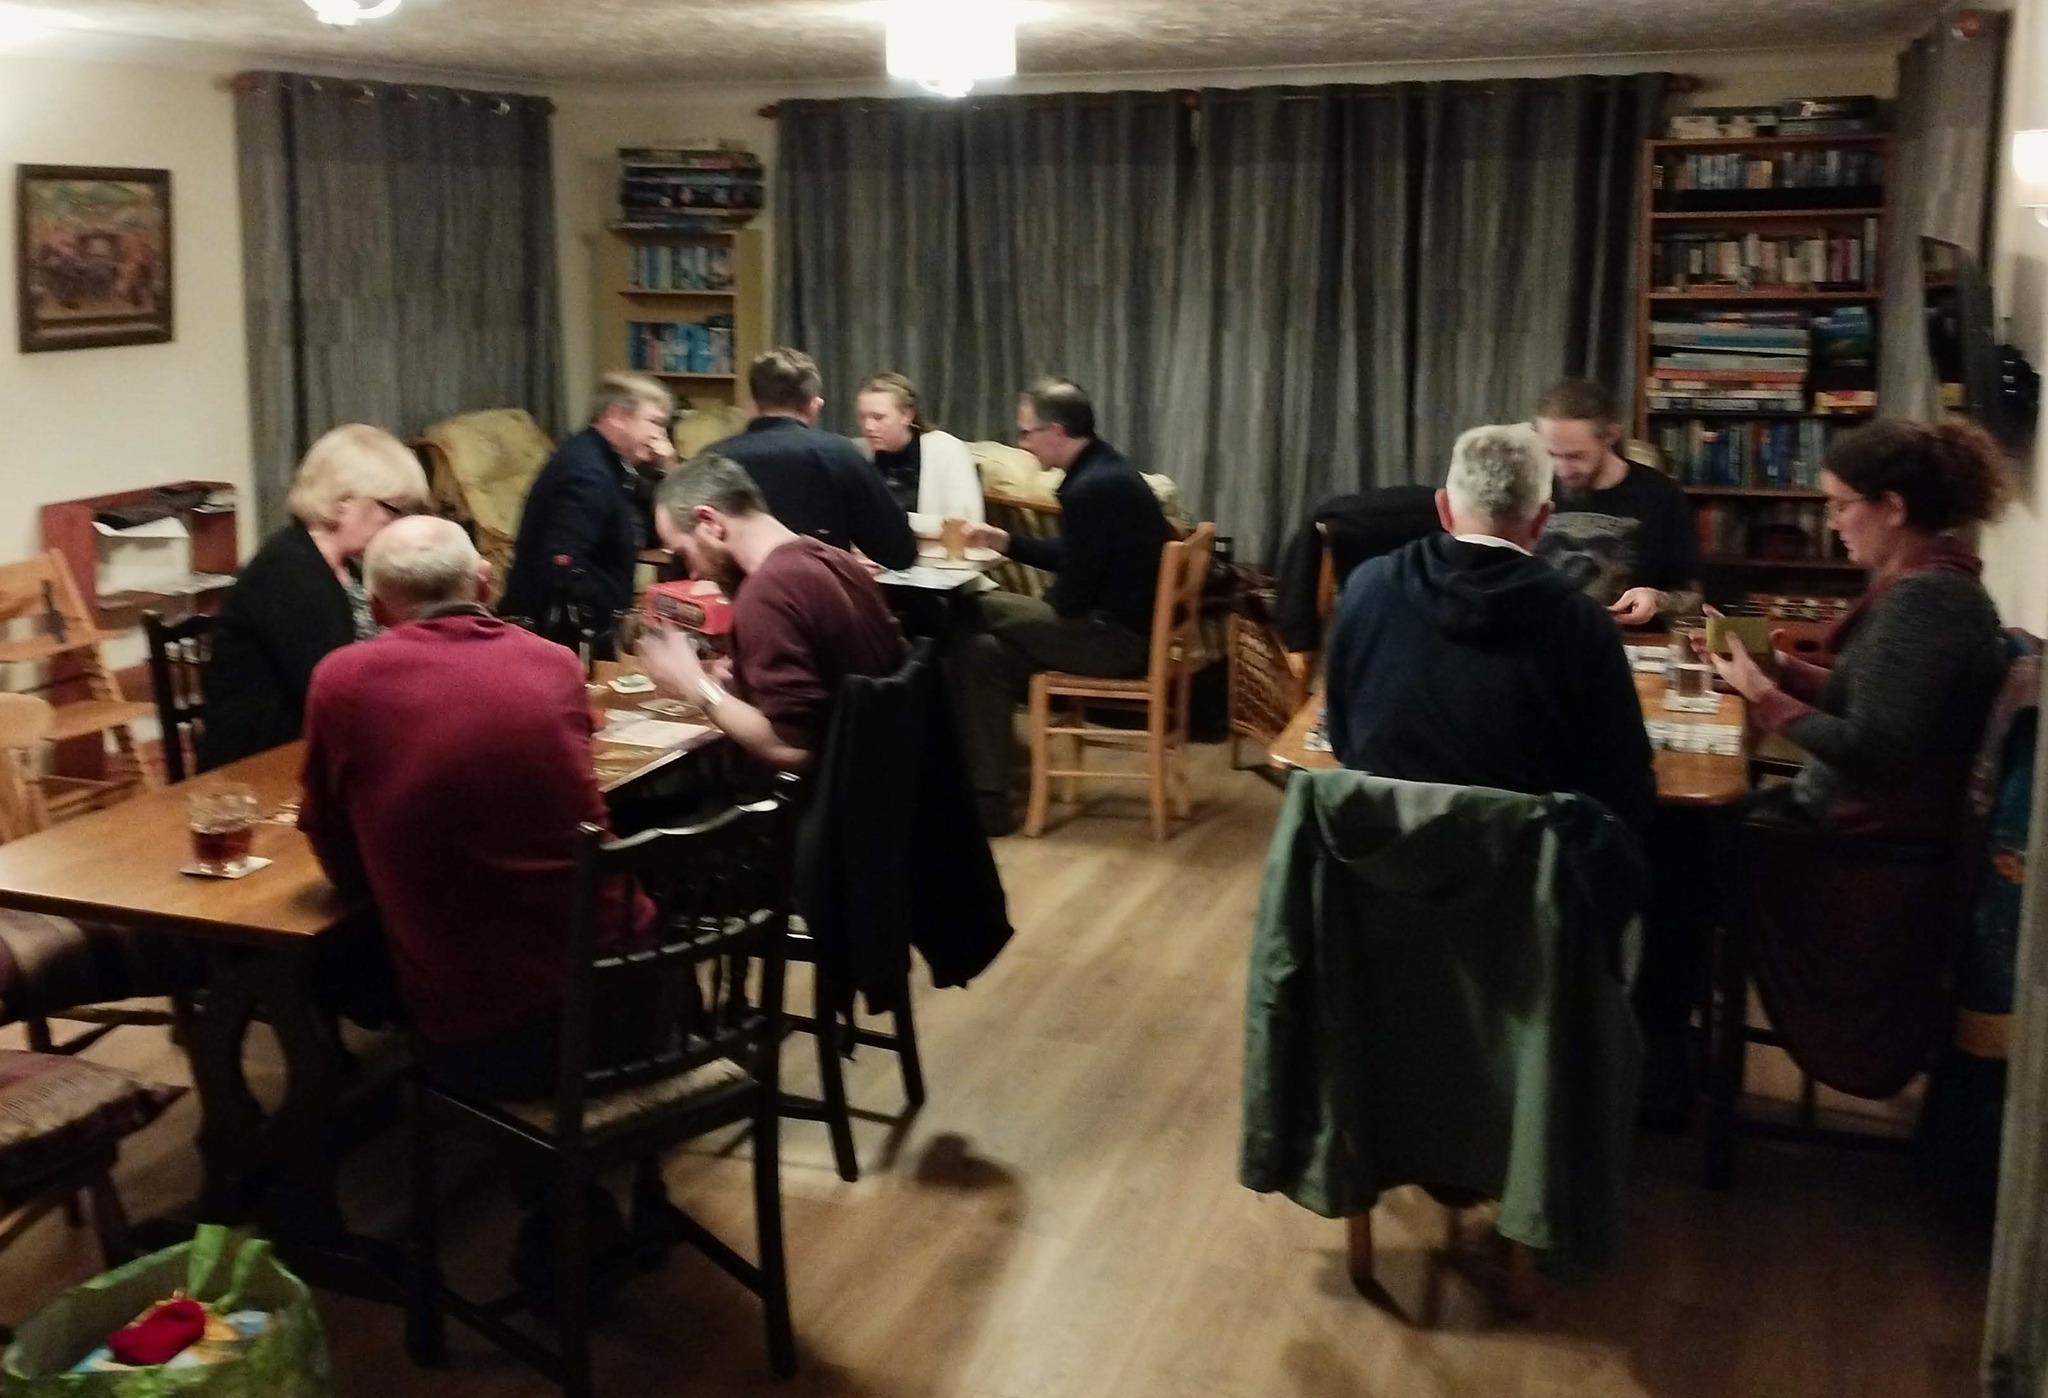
x: 1756, y: 329
x: 646, y: 321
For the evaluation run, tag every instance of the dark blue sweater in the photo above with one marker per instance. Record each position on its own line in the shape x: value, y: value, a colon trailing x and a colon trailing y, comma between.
x: 1472, y: 665
x: 1107, y: 551
x: 581, y: 504
x: 818, y: 483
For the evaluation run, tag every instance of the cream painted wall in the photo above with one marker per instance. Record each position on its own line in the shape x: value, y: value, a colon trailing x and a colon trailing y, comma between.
x: 2016, y: 549
x: 593, y: 122
x: 84, y: 422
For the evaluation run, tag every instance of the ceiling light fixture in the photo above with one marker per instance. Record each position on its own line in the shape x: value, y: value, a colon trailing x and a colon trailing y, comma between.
x: 344, y: 14
x: 947, y: 46
x: 21, y: 25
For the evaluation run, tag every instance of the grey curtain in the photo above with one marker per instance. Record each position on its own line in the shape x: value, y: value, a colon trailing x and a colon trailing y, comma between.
x: 1275, y: 295
x: 1947, y: 129
x: 399, y: 255
x: 2016, y: 1328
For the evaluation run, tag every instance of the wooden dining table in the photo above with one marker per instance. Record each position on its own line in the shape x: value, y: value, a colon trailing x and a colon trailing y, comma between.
x: 260, y: 937
x: 1694, y: 779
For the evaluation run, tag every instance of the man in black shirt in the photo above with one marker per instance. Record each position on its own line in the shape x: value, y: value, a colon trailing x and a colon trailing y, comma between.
x: 583, y: 507
x: 1625, y: 533
x: 1463, y: 659
x: 816, y: 483
x: 1096, y: 619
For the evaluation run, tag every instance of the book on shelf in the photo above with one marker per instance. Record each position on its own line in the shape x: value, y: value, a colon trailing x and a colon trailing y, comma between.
x: 1754, y: 261
x: 681, y: 267
x: 1777, y: 455
x: 681, y: 347
x: 1776, y: 532
x: 1729, y: 361
x: 1786, y: 169
x: 689, y: 189
x: 1798, y: 116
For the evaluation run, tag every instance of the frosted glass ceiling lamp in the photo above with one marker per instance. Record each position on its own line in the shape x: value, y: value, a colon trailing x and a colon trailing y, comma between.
x: 947, y: 46
x: 20, y: 25
x: 2030, y: 165
x: 343, y: 14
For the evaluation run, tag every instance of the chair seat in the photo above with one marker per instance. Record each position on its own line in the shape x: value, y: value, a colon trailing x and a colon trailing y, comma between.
x: 51, y: 964
x: 616, y: 1109
x: 83, y: 719
x: 1094, y: 686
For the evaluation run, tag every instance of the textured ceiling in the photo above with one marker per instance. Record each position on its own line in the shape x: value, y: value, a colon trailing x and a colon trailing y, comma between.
x: 742, y: 40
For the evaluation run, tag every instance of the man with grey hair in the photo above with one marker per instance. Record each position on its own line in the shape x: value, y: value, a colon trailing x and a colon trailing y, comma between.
x: 448, y: 765
x: 580, y: 526
x: 1463, y: 659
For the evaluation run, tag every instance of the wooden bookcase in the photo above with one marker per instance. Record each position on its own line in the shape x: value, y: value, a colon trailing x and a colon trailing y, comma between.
x: 1772, y: 519
x: 624, y: 300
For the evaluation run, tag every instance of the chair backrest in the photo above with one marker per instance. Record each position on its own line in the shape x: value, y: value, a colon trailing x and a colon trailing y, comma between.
x: 480, y: 466
x: 705, y: 984
x: 1177, y: 605
x: 701, y: 428
x: 178, y: 652
x: 42, y: 613
x: 1382, y: 521
x: 24, y: 728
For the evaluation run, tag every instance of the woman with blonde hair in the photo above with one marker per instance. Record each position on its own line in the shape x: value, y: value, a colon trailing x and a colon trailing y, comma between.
x: 300, y: 597
x: 928, y: 471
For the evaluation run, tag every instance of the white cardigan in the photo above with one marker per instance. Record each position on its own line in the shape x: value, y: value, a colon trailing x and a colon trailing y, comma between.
x: 948, y: 486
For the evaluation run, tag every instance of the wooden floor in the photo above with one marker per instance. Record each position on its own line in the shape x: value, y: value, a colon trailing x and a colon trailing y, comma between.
x: 1064, y: 1219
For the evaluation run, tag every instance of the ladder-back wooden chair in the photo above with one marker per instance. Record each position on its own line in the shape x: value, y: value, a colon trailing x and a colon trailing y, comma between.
x: 1161, y: 694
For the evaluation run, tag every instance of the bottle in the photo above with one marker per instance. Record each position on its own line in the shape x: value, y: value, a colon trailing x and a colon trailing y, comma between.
x: 567, y: 619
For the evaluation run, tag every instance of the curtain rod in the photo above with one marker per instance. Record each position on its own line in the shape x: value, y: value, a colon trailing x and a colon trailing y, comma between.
x: 1189, y: 97
x: 504, y: 103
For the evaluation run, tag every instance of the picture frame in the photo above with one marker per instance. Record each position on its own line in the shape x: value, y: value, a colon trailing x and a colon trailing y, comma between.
x: 93, y: 257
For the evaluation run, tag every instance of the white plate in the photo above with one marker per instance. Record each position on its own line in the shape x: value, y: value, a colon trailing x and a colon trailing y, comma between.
x: 935, y: 557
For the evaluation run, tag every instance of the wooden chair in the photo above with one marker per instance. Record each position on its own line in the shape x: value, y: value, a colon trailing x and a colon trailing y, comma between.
x: 1161, y: 694
x: 1265, y: 688
x: 53, y: 959
x: 45, y: 621
x: 1033, y: 519
x: 178, y: 652
x: 658, y: 1046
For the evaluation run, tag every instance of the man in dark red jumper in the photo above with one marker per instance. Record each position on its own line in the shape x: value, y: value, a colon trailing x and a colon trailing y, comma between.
x: 448, y: 764
x: 808, y: 616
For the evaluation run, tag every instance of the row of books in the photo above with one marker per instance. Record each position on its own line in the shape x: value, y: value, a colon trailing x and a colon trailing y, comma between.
x: 1798, y: 116
x: 1836, y: 261
x: 1784, y: 532
x: 1791, y: 169
x: 681, y: 347
x: 690, y: 188
x: 1775, y: 360
x: 682, y: 267
x: 1782, y: 454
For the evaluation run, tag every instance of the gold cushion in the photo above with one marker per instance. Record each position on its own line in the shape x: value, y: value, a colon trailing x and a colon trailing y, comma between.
x: 1009, y: 470
x: 703, y: 428
x: 614, y: 1109
x: 494, y: 456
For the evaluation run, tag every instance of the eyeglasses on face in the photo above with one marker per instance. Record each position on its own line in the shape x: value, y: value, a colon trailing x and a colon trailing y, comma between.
x: 1838, y: 505
x: 397, y: 510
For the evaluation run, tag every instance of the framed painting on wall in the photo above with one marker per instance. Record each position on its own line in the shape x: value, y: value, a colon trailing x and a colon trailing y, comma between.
x: 93, y: 256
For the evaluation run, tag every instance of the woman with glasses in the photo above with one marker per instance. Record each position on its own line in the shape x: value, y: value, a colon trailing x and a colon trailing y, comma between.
x: 300, y: 597
x: 1893, y: 721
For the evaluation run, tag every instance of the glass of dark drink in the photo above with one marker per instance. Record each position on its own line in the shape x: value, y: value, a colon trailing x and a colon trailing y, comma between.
x: 222, y: 820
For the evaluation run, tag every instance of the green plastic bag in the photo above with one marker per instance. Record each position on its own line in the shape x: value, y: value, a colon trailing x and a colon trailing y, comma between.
x: 222, y: 1270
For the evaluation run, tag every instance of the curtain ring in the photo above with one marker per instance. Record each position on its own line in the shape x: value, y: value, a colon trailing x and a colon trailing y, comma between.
x: 501, y: 107
x: 365, y: 94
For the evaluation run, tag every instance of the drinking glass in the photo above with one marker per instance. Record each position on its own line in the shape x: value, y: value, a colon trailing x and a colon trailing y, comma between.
x: 222, y: 820
x: 626, y: 636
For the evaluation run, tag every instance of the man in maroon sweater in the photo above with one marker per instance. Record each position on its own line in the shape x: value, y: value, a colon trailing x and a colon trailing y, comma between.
x: 448, y: 764
x: 809, y: 616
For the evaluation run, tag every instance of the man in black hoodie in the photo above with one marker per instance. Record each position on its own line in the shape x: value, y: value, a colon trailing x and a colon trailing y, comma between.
x: 1464, y: 659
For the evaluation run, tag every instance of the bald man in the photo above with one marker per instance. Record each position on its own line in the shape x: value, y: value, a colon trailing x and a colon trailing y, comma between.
x: 448, y: 764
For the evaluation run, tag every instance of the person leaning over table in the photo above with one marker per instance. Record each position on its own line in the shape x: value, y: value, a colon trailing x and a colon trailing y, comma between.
x: 1623, y: 532
x: 298, y: 598
x: 1095, y: 619
x: 1892, y: 722
x: 815, y: 482
x: 808, y: 616
x: 448, y: 768
x: 928, y: 472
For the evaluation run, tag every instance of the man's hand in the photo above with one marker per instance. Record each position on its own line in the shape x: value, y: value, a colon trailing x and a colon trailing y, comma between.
x: 987, y: 536
x: 1638, y: 606
x: 1741, y: 672
x: 669, y: 658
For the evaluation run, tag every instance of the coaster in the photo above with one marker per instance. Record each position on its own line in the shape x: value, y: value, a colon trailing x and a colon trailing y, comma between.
x: 632, y: 684
x: 1692, y: 703
x: 670, y: 708
x: 233, y: 871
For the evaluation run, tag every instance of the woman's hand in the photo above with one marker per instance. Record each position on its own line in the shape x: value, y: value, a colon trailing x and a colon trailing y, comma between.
x: 1637, y: 607
x: 1739, y: 670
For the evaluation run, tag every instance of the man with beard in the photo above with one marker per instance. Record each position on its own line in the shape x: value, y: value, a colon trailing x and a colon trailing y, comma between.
x: 1623, y: 533
x: 808, y: 616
